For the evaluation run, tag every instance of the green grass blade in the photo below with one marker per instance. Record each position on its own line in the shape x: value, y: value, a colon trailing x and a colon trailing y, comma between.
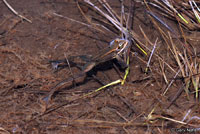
x: 126, y: 72
x: 109, y: 84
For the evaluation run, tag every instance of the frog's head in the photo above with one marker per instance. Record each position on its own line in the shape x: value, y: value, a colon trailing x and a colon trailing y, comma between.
x: 119, y: 44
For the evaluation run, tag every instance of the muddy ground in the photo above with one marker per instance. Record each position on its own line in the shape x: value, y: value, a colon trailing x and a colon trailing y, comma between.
x: 26, y: 76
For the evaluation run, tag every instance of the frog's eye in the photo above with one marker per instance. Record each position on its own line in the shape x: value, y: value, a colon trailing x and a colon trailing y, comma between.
x: 120, y: 45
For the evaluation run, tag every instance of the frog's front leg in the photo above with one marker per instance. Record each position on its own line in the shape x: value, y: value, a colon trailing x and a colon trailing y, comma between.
x: 73, y: 61
x: 121, y: 62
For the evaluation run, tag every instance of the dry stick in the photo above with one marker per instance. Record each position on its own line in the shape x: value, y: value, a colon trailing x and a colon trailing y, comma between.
x: 186, y: 63
x: 66, y: 105
x: 155, y: 53
x: 161, y: 7
x: 196, y: 5
x: 152, y: 52
x: 146, y: 38
x: 130, y: 15
x: 197, y: 79
x: 15, y: 12
x: 124, y: 20
x: 116, y: 23
x: 160, y: 21
x: 127, y: 36
x: 106, y: 124
x: 111, y: 19
x: 171, y: 82
x: 164, y: 13
x: 194, y: 11
x: 93, y: 25
x: 122, y: 14
x: 181, y: 89
x: 69, y: 65
x: 176, y: 56
x: 184, y: 45
x: 4, y: 131
x: 185, y: 60
x: 109, y: 9
x: 194, y: 70
x: 183, y: 73
x: 162, y: 66
x: 178, y: 93
x: 186, y: 115
x: 90, y: 26
x: 163, y: 34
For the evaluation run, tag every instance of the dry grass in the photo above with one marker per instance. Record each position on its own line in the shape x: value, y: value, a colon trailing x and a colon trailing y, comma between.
x: 160, y: 93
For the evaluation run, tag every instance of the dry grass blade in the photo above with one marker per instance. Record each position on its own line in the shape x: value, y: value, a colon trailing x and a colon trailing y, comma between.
x: 15, y: 12
x: 160, y: 58
x: 176, y: 56
x: 93, y: 25
x: 3, y: 131
x: 194, y: 118
x: 116, y: 23
x: 92, y: 97
x: 152, y: 52
x: 161, y: 21
x: 145, y: 36
x: 194, y: 11
x: 109, y: 9
x: 169, y: 85
x: 184, y: 118
x: 188, y: 68
x: 183, y: 12
x: 108, y: 124
x: 162, y: 66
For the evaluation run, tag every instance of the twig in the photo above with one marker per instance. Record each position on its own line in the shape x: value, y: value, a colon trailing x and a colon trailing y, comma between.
x: 154, y: 47
x: 169, y: 85
x: 15, y: 12
x: 68, y: 64
x: 84, y: 24
x: 4, y: 131
x: 186, y: 115
x: 176, y: 96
